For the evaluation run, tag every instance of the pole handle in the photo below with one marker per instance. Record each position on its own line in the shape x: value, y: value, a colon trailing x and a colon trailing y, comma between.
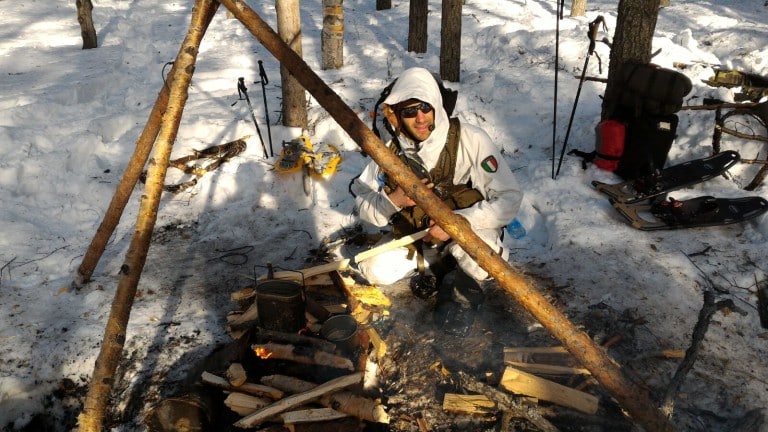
x: 263, y: 74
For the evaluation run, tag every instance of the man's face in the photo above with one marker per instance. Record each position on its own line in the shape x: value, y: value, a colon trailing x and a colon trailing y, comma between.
x: 417, y: 118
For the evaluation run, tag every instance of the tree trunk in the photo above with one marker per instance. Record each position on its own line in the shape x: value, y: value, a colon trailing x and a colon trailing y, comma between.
x: 383, y: 4
x: 417, y: 26
x: 578, y: 8
x: 92, y: 417
x: 630, y: 395
x: 450, y: 41
x: 84, y: 17
x: 632, y: 40
x: 332, y: 38
x: 289, y: 29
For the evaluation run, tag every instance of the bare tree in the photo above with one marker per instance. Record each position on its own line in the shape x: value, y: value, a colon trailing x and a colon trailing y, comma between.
x: 632, y: 40
x: 84, y: 17
x: 289, y: 29
x: 578, y: 8
x: 450, y: 41
x: 383, y: 4
x: 417, y: 26
x: 332, y: 37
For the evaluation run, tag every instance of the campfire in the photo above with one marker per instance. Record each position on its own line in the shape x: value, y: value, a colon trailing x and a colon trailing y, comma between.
x: 307, y: 357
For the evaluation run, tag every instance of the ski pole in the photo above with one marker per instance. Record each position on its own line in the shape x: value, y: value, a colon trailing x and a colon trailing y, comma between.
x: 558, y: 16
x: 243, y: 91
x: 594, y: 26
x: 264, y: 81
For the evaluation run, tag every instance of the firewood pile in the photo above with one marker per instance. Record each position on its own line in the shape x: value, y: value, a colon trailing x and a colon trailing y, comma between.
x: 293, y: 371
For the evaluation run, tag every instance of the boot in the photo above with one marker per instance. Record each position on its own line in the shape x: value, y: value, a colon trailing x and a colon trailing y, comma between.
x: 459, y: 298
x: 425, y: 285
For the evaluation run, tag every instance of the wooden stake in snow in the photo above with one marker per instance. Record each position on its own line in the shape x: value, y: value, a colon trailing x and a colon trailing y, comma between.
x: 91, y: 419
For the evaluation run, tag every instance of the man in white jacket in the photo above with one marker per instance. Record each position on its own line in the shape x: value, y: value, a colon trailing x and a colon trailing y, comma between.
x: 422, y: 131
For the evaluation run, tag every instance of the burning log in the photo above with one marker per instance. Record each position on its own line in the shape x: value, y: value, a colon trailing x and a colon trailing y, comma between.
x: 250, y: 388
x: 302, y: 355
x: 519, y: 382
x: 289, y: 402
x: 344, y: 401
x: 264, y: 336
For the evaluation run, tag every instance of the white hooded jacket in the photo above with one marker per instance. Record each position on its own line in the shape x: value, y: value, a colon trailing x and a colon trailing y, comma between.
x: 478, y: 160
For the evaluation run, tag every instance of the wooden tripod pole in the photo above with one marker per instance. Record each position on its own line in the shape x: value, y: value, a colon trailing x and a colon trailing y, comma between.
x: 92, y: 416
x: 630, y: 395
x: 126, y: 185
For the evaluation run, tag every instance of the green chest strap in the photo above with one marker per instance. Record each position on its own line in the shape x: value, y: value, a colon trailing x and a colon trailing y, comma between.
x: 412, y: 219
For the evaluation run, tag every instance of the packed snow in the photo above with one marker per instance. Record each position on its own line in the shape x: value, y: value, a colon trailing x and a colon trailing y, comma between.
x: 70, y: 118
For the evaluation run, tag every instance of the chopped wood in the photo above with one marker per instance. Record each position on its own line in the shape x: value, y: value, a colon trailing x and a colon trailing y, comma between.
x: 378, y: 343
x: 302, y: 355
x: 289, y: 402
x: 543, y: 360
x: 250, y: 388
x: 311, y: 415
x: 507, y: 403
x: 344, y: 401
x: 243, y: 294
x: 468, y: 404
x: 301, y: 275
x: 520, y: 382
x: 244, y: 320
x: 245, y: 404
x: 546, y: 369
x: 236, y: 375
x: 394, y: 244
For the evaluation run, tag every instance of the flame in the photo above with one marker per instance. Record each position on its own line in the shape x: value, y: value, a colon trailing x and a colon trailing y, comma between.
x: 262, y: 352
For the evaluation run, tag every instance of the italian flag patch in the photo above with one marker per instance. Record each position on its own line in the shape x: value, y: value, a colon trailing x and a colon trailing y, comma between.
x: 490, y: 164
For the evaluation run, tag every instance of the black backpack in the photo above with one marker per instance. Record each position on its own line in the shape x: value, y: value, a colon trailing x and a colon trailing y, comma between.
x: 449, y: 103
x: 645, y: 103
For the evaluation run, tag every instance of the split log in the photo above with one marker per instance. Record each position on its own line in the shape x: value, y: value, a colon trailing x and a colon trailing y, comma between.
x: 289, y: 402
x: 543, y: 360
x: 250, y: 388
x: 468, y: 404
x: 311, y: 415
x: 519, y: 382
x: 236, y: 375
x: 302, y: 355
x: 507, y: 403
x: 300, y: 275
x: 629, y: 394
x: 344, y: 401
x: 245, y: 404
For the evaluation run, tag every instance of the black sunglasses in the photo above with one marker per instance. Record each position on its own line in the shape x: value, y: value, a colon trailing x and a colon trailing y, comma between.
x: 412, y: 111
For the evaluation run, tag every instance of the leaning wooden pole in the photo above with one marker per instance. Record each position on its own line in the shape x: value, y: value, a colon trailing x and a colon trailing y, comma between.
x: 92, y: 416
x: 630, y: 395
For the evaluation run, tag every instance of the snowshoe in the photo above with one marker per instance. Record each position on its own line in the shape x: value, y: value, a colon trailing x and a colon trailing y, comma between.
x: 669, y: 179
x: 702, y: 211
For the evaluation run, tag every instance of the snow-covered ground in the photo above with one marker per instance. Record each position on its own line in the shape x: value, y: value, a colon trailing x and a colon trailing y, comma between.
x: 69, y: 120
